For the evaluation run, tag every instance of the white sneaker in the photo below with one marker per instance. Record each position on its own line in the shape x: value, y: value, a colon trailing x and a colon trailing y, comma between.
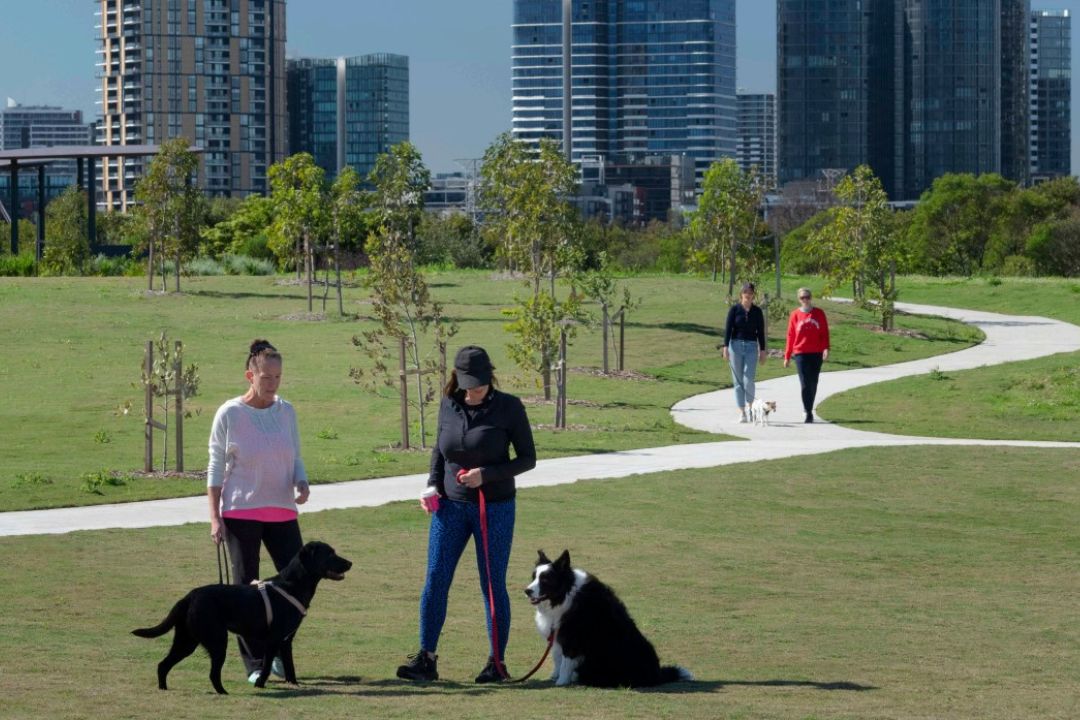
x: 253, y: 677
x: 743, y: 419
x: 278, y: 668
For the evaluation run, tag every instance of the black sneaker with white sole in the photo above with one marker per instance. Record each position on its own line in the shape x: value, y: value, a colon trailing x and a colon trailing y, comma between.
x: 421, y: 667
x: 490, y: 673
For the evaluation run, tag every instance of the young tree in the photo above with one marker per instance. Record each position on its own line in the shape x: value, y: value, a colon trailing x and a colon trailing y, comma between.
x: 347, y: 207
x: 526, y: 199
x: 170, y: 207
x: 401, y: 302
x: 859, y: 243
x: 726, y: 222
x: 298, y: 194
x: 66, y: 246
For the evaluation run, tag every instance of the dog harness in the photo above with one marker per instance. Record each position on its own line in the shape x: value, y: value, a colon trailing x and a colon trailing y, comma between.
x: 262, y: 585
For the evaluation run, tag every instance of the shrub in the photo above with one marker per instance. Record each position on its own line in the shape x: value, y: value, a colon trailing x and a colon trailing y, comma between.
x: 204, y: 267
x: 244, y: 265
x: 1018, y: 266
x: 105, y: 266
x: 17, y: 266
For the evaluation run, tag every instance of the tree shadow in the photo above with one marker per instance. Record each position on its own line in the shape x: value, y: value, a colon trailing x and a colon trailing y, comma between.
x: 687, y: 327
x: 242, y: 295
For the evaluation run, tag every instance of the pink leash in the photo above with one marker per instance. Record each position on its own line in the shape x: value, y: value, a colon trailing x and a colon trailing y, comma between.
x: 491, y: 597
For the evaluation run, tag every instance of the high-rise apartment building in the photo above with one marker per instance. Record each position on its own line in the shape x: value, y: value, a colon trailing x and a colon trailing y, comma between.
x: 34, y: 126
x: 347, y: 111
x: 757, y: 134
x: 212, y: 71
x: 1051, y: 94
x: 913, y: 88
x: 649, y: 77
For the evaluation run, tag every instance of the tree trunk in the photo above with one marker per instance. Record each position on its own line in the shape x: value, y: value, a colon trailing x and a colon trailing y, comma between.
x: 150, y: 267
x: 177, y: 273
x: 337, y: 269
x: 731, y: 277
x: 308, y: 269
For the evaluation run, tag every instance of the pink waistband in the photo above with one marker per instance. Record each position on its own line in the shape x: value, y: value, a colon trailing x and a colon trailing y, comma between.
x: 263, y: 514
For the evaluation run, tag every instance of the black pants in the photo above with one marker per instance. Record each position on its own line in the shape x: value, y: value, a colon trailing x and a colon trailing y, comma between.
x: 809, y: 367
x: 245, y: 539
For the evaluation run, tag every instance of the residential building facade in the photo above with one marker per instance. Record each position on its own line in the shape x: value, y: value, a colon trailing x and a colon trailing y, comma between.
x: 30, y: 126
x: 757, y: 134
x: 648, y: 77
x: 347, y: 111
x: 211, y: 71
x: 1051, y: 94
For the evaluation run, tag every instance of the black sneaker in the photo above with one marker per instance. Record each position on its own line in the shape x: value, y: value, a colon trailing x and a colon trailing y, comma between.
x: 809, y: 418
x: 421, y: 667
x: 490, y: 673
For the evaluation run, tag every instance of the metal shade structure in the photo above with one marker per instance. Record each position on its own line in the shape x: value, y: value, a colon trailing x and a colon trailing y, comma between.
x: 12, y: 160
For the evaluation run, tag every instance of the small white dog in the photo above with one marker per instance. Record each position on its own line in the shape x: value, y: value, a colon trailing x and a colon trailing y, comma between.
x: 760, y: 409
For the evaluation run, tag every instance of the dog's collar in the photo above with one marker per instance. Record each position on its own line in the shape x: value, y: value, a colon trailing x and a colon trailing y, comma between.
x: 262, y: 585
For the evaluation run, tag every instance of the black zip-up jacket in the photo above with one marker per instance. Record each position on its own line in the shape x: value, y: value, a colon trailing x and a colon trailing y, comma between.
x: 481, y: 442
x: 743, y: 324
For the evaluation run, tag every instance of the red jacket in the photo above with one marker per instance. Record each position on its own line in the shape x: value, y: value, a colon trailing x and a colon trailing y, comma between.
x: 806, y: 333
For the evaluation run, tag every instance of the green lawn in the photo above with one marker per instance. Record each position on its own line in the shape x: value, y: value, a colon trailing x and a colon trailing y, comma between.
x: 1029, y: 400
x: 873, y: 583
x: 73, y: 349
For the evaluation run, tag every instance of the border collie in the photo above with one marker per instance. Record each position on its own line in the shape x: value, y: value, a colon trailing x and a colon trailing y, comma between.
x: 596, y: 640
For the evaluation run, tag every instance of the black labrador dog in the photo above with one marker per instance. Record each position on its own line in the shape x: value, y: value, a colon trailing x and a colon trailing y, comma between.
x: 273, y: 611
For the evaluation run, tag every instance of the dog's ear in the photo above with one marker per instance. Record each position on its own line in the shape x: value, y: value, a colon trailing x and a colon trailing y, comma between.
x: 542, y: 559
x: 563, y: 560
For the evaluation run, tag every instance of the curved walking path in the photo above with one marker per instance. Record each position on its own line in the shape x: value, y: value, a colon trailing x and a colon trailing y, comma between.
x: 1008, y: 338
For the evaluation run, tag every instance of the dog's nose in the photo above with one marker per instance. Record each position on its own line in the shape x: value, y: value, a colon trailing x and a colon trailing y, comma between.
x: 528, y: 593
x: 348, y: 565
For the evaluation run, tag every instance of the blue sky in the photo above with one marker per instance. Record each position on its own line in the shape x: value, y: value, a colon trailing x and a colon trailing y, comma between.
x: 459, y: 52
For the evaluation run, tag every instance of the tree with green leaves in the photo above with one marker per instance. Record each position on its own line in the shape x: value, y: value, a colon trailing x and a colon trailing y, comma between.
x: 298, y: 194
x: 401, y: 301
x: 348, y: 204
x: 726, y: 224
x: 170, y: 208
x: 599, y: 284
x: 168, y: 378
x: 534, y: 228
x: 859, y: 244
x: 66, y: 246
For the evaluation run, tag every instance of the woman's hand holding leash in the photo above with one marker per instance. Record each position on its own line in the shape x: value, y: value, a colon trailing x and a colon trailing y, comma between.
x: 470, y: 478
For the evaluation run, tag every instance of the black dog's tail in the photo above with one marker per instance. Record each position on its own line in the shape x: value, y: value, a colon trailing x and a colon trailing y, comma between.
x: 674, y: 673
x: 178, y: 611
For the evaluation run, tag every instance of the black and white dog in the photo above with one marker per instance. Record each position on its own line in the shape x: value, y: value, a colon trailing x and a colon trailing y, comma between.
x: 596, y: 640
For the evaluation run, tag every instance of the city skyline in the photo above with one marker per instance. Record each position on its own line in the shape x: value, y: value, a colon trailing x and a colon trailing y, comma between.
x: 460, y: 62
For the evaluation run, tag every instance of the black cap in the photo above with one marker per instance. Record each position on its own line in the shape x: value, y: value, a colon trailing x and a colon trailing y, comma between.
x: 472, y: 367
x: 748, y: 288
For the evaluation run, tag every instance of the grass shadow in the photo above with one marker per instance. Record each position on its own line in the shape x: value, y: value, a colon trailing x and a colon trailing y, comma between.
x: 246, y: 294
x: 837, y: 685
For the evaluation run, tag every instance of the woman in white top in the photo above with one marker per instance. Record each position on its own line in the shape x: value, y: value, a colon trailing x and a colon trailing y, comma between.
x: 256, y: 478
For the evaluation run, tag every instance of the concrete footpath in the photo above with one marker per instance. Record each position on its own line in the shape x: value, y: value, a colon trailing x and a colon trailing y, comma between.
x: 1008, y: 338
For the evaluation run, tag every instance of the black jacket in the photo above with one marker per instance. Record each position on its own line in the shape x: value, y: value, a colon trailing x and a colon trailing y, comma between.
x: 743, y: 324
x: 482, y: 442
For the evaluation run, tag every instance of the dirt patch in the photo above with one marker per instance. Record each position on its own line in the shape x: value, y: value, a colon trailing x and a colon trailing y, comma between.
x: 570, y: 426
x: 303, y: 317
x: 156, y: 475
x: 614, y: 374
x: 896, y: 332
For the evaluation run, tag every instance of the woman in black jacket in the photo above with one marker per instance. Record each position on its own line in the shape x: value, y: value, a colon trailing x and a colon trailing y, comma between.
x: 477, y: 426
x: 744, y: 346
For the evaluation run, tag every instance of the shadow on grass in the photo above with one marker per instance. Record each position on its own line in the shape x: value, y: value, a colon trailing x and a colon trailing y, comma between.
x: 241, y: 295
x: 838, y: 685
x: 686, y: 327
x: 354, y: 686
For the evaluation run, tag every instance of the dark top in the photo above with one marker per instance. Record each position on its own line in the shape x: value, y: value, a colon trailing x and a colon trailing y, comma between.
x: 743, y: 324
x: 480, y: 436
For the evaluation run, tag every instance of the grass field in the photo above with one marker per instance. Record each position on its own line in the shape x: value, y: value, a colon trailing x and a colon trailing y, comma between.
x: 1030, y: 400
x: 73, y: 349
x: 875, y: 583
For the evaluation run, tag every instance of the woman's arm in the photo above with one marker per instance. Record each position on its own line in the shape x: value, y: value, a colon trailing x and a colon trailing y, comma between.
x: 519, y: 433
x: 437, y: 466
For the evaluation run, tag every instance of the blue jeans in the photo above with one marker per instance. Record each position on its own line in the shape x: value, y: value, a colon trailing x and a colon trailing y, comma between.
x: 743, y: 356
x: 451, y: 528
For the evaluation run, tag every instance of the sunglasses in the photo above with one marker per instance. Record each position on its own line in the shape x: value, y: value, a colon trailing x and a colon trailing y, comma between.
x: 804, y: 297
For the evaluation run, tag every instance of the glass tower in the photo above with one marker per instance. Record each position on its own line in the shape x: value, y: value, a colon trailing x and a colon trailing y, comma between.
x: 348, y: 111
x: 1051, y: 96
x: 649, y: 77
x: 913, y: 88
x: 757, y: 134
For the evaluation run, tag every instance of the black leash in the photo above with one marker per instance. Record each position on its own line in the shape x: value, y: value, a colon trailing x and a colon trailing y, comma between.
x: 220, y: 551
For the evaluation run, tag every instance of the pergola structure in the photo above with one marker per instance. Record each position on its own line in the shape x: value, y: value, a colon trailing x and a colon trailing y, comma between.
x: 12, y: 160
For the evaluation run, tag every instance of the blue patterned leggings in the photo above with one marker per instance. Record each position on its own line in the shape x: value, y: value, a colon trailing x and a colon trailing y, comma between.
x: 451, y: 528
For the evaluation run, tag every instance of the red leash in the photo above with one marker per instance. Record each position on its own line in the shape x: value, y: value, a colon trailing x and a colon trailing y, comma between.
x: 491, y: 597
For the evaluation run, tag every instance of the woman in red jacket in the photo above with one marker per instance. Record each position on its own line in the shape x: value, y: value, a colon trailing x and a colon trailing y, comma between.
x: 808, y: 342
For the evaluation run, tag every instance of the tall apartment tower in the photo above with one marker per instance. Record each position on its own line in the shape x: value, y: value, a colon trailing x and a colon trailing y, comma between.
x: 649, y: 77
x: 913, y: 88
x: 31, y: 126
x: 757, y: 134
x: 1051, y: 95
x: 348, y: 111
x: 211, y: 71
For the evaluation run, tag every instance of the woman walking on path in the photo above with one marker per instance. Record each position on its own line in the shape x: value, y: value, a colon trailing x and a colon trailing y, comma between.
x: 477, y: 426
x: 744, y: 346
x: 808, y: 343
x: 256, y: 479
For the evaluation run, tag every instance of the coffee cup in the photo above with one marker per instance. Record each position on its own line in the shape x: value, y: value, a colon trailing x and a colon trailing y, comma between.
x: 429, y: 499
